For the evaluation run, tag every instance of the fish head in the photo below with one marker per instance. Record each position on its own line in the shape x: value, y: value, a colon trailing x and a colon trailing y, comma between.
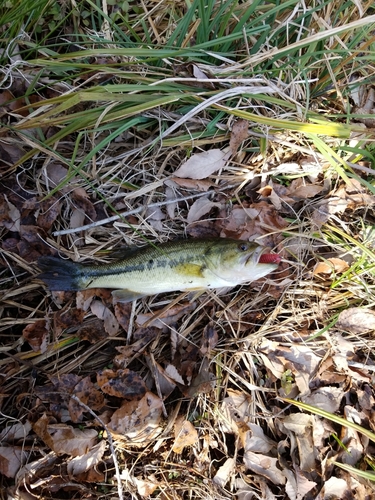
x: 243, y: 261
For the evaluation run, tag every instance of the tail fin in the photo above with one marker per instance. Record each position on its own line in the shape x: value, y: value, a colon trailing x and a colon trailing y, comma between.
x: 59, y: 274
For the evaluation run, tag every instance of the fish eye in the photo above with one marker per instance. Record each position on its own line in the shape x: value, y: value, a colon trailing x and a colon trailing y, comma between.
x: 243, y: 247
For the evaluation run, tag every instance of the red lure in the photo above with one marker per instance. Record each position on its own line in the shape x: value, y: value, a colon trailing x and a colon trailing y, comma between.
x: 270, y: 258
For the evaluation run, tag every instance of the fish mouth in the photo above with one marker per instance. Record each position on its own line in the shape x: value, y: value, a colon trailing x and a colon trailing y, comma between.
x: 264, y: 256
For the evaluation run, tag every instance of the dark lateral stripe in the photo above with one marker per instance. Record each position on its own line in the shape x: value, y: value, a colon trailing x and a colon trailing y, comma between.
x: 130, y: 268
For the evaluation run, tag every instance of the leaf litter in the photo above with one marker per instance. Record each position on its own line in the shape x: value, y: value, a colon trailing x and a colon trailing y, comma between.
x: 133, y: 401
x: 191, y: 391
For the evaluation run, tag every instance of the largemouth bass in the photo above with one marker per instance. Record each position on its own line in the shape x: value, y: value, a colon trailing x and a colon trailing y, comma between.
x: 184, y: 265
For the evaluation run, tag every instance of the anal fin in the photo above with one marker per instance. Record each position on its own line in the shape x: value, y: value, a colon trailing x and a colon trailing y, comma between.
x: 126, y: 295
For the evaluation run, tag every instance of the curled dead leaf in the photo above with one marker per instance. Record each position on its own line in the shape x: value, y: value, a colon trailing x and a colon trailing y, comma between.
x: 36, y: 334
x: 332, y: 265
x: 356, y: 320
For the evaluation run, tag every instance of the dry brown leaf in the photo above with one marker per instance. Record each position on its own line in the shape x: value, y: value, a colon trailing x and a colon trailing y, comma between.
x: 325, y: 398
x: 297, y: 485
x: 167, y: 318
x: 36, y: 334
x: 92, y: 331
x: 185, y: 434
x: 49, y: 210
x: 299, y: 428
x: 32, y: 244
x: 67, y: 318
x: 172, y: 373
x: 170, y: 197
x: 166, y: 385
x: 138, y: 421
x: 342, y: 352
x: 269, y: 193
x: 90, y: 476
x: 10, y: 216
x: 331, y: 265
x: 54, y: 173
x: 145, y: 488
x: 71, y: 441
x: 300, y: 189
x: 209, y: 340
x: 198, y: 73
x: 203, y: 383
x: 325, y: 209
x: 83, y: 463
x: 299, y: 359
x: 336, y: 488
x: 80, y: 199
x: 240, y: 132
x: 122, y: 313
x: 65, y: 439
x: 354, y: 448
x: 256, y: 220
x: 11, y: 458
x: 122, y: 383
x: 255, y: 440
x: 225, y: 472
x: 77, y: 218
x: 131, y: 351
x: 201, y: 207
x: 356, y: 320
x: 202, y: 165
x: 264, y: 466
x: 14, y: 432
x: 33, y: 471
x: 110, y: 323
x: 88, y: 394
x: 237, y: 408
x: 10, y: 153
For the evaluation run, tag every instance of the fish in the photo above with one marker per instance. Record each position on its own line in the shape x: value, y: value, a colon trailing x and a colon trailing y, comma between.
x: 184, y: 265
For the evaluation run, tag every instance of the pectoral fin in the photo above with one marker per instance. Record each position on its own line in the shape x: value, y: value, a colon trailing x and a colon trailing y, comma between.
x: 126, y: 295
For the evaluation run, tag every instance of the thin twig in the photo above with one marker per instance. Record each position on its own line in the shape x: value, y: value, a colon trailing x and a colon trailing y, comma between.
x: 125, y: 214
x: 110, y: 443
